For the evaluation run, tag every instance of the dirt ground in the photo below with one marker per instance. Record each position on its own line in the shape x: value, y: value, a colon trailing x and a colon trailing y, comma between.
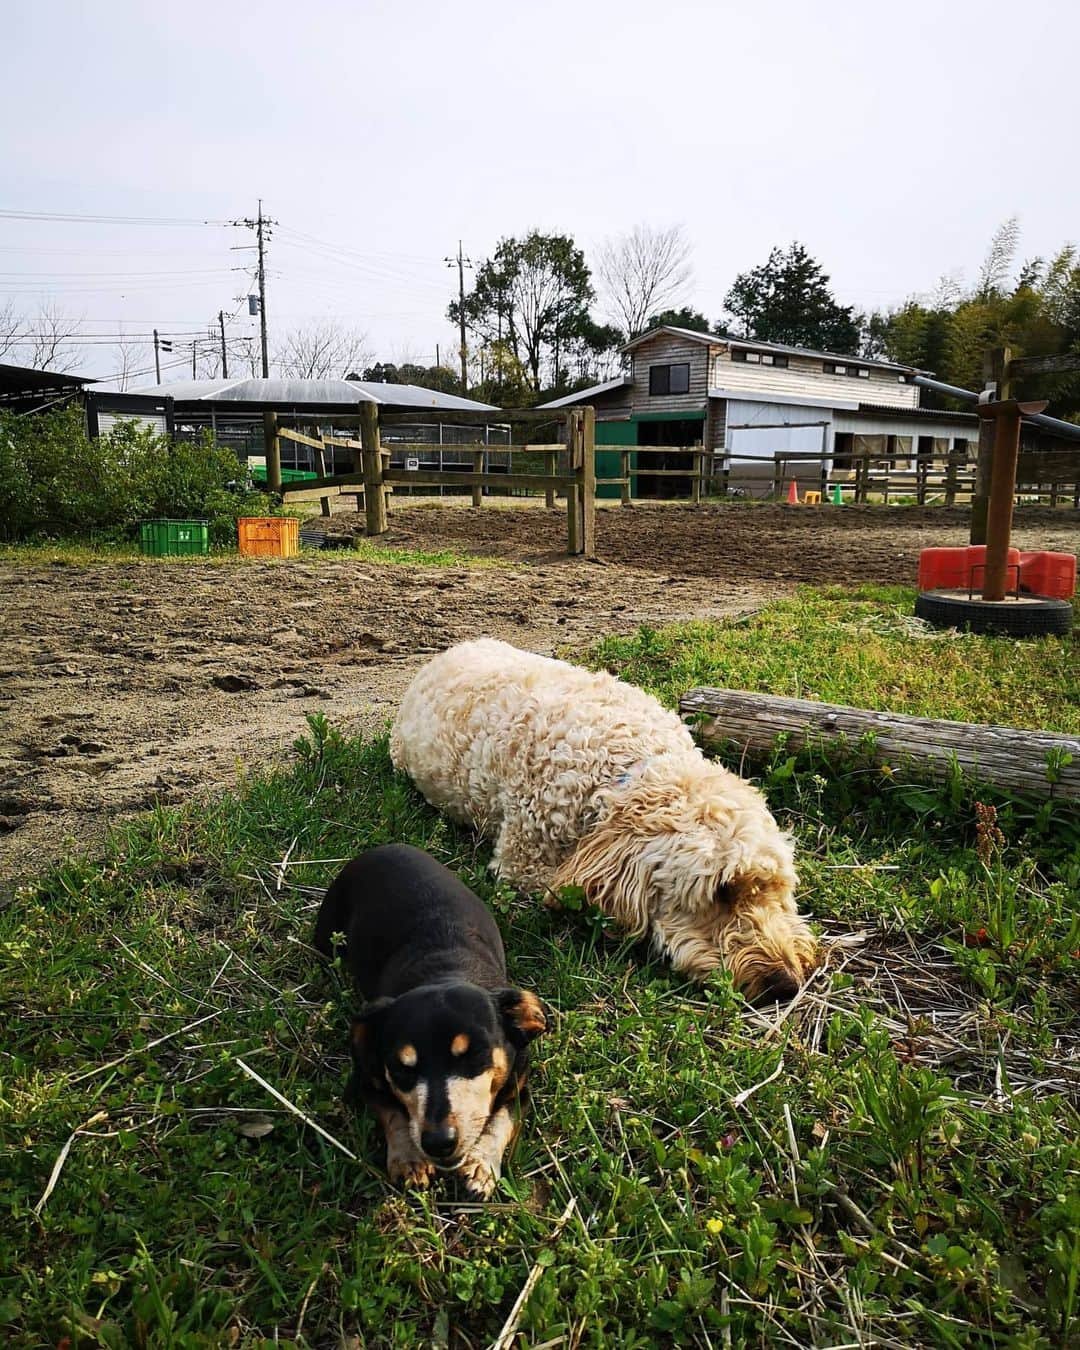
x: 127, y: 684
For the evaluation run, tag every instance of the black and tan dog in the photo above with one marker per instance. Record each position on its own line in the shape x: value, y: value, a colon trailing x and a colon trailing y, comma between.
x: 440, y: 1052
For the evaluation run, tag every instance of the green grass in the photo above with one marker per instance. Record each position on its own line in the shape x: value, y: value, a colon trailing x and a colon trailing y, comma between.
x: 862, y: 648
x: 78, y: 554
x: 905, y: 1172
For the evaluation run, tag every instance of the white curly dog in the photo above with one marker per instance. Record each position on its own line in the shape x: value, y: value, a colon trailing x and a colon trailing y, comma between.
x: 583, y: 780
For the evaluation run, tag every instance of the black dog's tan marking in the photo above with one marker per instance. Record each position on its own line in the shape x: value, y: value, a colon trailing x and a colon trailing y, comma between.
x: 440, y: 1052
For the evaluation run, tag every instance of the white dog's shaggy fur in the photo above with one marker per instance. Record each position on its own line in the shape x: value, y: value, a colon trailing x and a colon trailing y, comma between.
x: 583, y: 780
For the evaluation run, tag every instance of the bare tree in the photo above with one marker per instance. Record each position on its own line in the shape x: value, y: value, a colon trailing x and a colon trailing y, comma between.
x: 48, y: 335
x: 9, y: 327
x: 322, y: 352
x: 127, y: 360
x: 641, y: 273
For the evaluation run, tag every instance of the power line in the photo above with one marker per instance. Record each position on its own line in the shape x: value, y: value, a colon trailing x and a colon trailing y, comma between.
x: 261, y: 225
x: 7, y: 214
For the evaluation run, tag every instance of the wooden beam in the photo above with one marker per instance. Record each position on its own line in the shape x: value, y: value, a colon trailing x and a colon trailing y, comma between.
x: 573, y: 492
x: 374, y: 500
x: 298, y: 436
x: 478, y: 472
x: 273, y: 451
x: 588, y: 482
x: 1003, y: 756
x: 538, y: 482
x: 1021, y: 366
x: 995, y: 371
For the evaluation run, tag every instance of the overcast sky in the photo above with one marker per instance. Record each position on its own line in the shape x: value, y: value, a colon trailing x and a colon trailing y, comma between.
x: 890, y: 140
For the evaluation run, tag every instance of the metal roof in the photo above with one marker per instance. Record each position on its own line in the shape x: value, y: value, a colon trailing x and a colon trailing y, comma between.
x: 620, y: 383
x: 277, y: 392
x: 718, y: 340
x: 16, y: 381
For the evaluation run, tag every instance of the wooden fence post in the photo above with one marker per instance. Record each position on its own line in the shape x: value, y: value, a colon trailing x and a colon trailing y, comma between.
x: 957, y: 456
x: 371, y: 453
x: 478, y: 467
x: 588, y: 482
x: 624, y: 473
x: 995, y: 372
x: 699, y: 469
x: 273, y: 451
x: 573, y: 465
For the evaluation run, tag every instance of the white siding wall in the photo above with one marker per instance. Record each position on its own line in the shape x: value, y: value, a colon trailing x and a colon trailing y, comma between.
x: 667, y: 349
x: 806, y: 375
x: 154, y: 421
x: 760, y: 438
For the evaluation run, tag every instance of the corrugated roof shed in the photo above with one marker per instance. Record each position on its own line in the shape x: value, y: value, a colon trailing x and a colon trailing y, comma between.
x: 276, y: 392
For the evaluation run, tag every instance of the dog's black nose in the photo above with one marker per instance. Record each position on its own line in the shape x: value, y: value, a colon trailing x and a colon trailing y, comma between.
x: 779, y: 987
x: 439, y: 1142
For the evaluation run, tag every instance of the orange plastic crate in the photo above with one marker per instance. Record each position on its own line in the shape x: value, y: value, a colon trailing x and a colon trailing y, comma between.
x: 269, y: 536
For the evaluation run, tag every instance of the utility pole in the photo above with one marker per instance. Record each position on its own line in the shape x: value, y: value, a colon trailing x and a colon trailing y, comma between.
x: 157, y: 360
x: 261, y: 225
x: 262, y: 292
x: 461, y: 262
x: 194, y: 351
x: 224, y: 354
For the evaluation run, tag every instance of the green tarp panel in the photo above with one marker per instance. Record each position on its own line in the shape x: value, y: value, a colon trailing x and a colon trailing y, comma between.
x: 609, y: 463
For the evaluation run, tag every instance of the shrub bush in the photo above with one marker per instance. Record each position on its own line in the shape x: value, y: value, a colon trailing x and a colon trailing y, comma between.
x: 56, y: 480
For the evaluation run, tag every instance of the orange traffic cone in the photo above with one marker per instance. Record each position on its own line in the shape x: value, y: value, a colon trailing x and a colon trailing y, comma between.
x: 793, y: 493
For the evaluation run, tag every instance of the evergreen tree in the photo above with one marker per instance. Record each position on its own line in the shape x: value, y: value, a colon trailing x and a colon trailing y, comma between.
x: 787, y: 299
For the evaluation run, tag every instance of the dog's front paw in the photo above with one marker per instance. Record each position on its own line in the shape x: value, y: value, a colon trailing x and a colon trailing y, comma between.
x: 414, y: 1172
x: 478, y: 1177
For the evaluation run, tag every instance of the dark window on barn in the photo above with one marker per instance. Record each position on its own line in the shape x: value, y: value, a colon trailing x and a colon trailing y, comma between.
x: 759, y: 358
x: 669, y: 379
x: 843, y: 368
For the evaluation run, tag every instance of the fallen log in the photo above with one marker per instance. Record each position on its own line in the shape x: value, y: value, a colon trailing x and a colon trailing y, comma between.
x: 1004, y: 757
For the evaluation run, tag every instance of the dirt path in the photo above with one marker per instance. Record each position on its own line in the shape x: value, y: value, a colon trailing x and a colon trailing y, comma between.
x: 728, y: 542
x: 123, y: 685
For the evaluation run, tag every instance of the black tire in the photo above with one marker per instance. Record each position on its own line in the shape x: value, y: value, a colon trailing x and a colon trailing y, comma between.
x: 1015, y: 618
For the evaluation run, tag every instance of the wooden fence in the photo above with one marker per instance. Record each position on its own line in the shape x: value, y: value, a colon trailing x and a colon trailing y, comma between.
x: 570, y: 468
x: 377, y: 477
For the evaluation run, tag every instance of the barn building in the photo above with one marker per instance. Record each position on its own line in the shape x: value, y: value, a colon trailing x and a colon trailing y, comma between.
x: 741, y: 398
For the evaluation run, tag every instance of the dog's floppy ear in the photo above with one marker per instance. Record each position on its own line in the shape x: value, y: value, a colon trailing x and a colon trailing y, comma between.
x: 522, y: 1015
x: 361, y: 1034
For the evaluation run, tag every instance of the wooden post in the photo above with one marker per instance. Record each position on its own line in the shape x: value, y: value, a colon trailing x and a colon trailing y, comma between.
x: 320, y: 469
x: 551, y: 466
x: 371, y: 455
x: 588, y: 482
x: 573, y: 459
x: 273, y: 451
x: 996, y: 375
x: 478, y: 467
x: 823, y: 485
x: 699, y: 469
x: 777, y: 475
x: 957, y: 456
x: 862, y: 476
x: 624, y: 474
x: 999, y: 508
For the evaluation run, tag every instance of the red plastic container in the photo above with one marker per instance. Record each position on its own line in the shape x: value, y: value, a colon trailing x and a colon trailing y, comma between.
x: 955, y: 569
x: 1049, y: 574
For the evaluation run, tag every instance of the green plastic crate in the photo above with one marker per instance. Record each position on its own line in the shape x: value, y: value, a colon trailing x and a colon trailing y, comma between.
x: 174, y: 538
